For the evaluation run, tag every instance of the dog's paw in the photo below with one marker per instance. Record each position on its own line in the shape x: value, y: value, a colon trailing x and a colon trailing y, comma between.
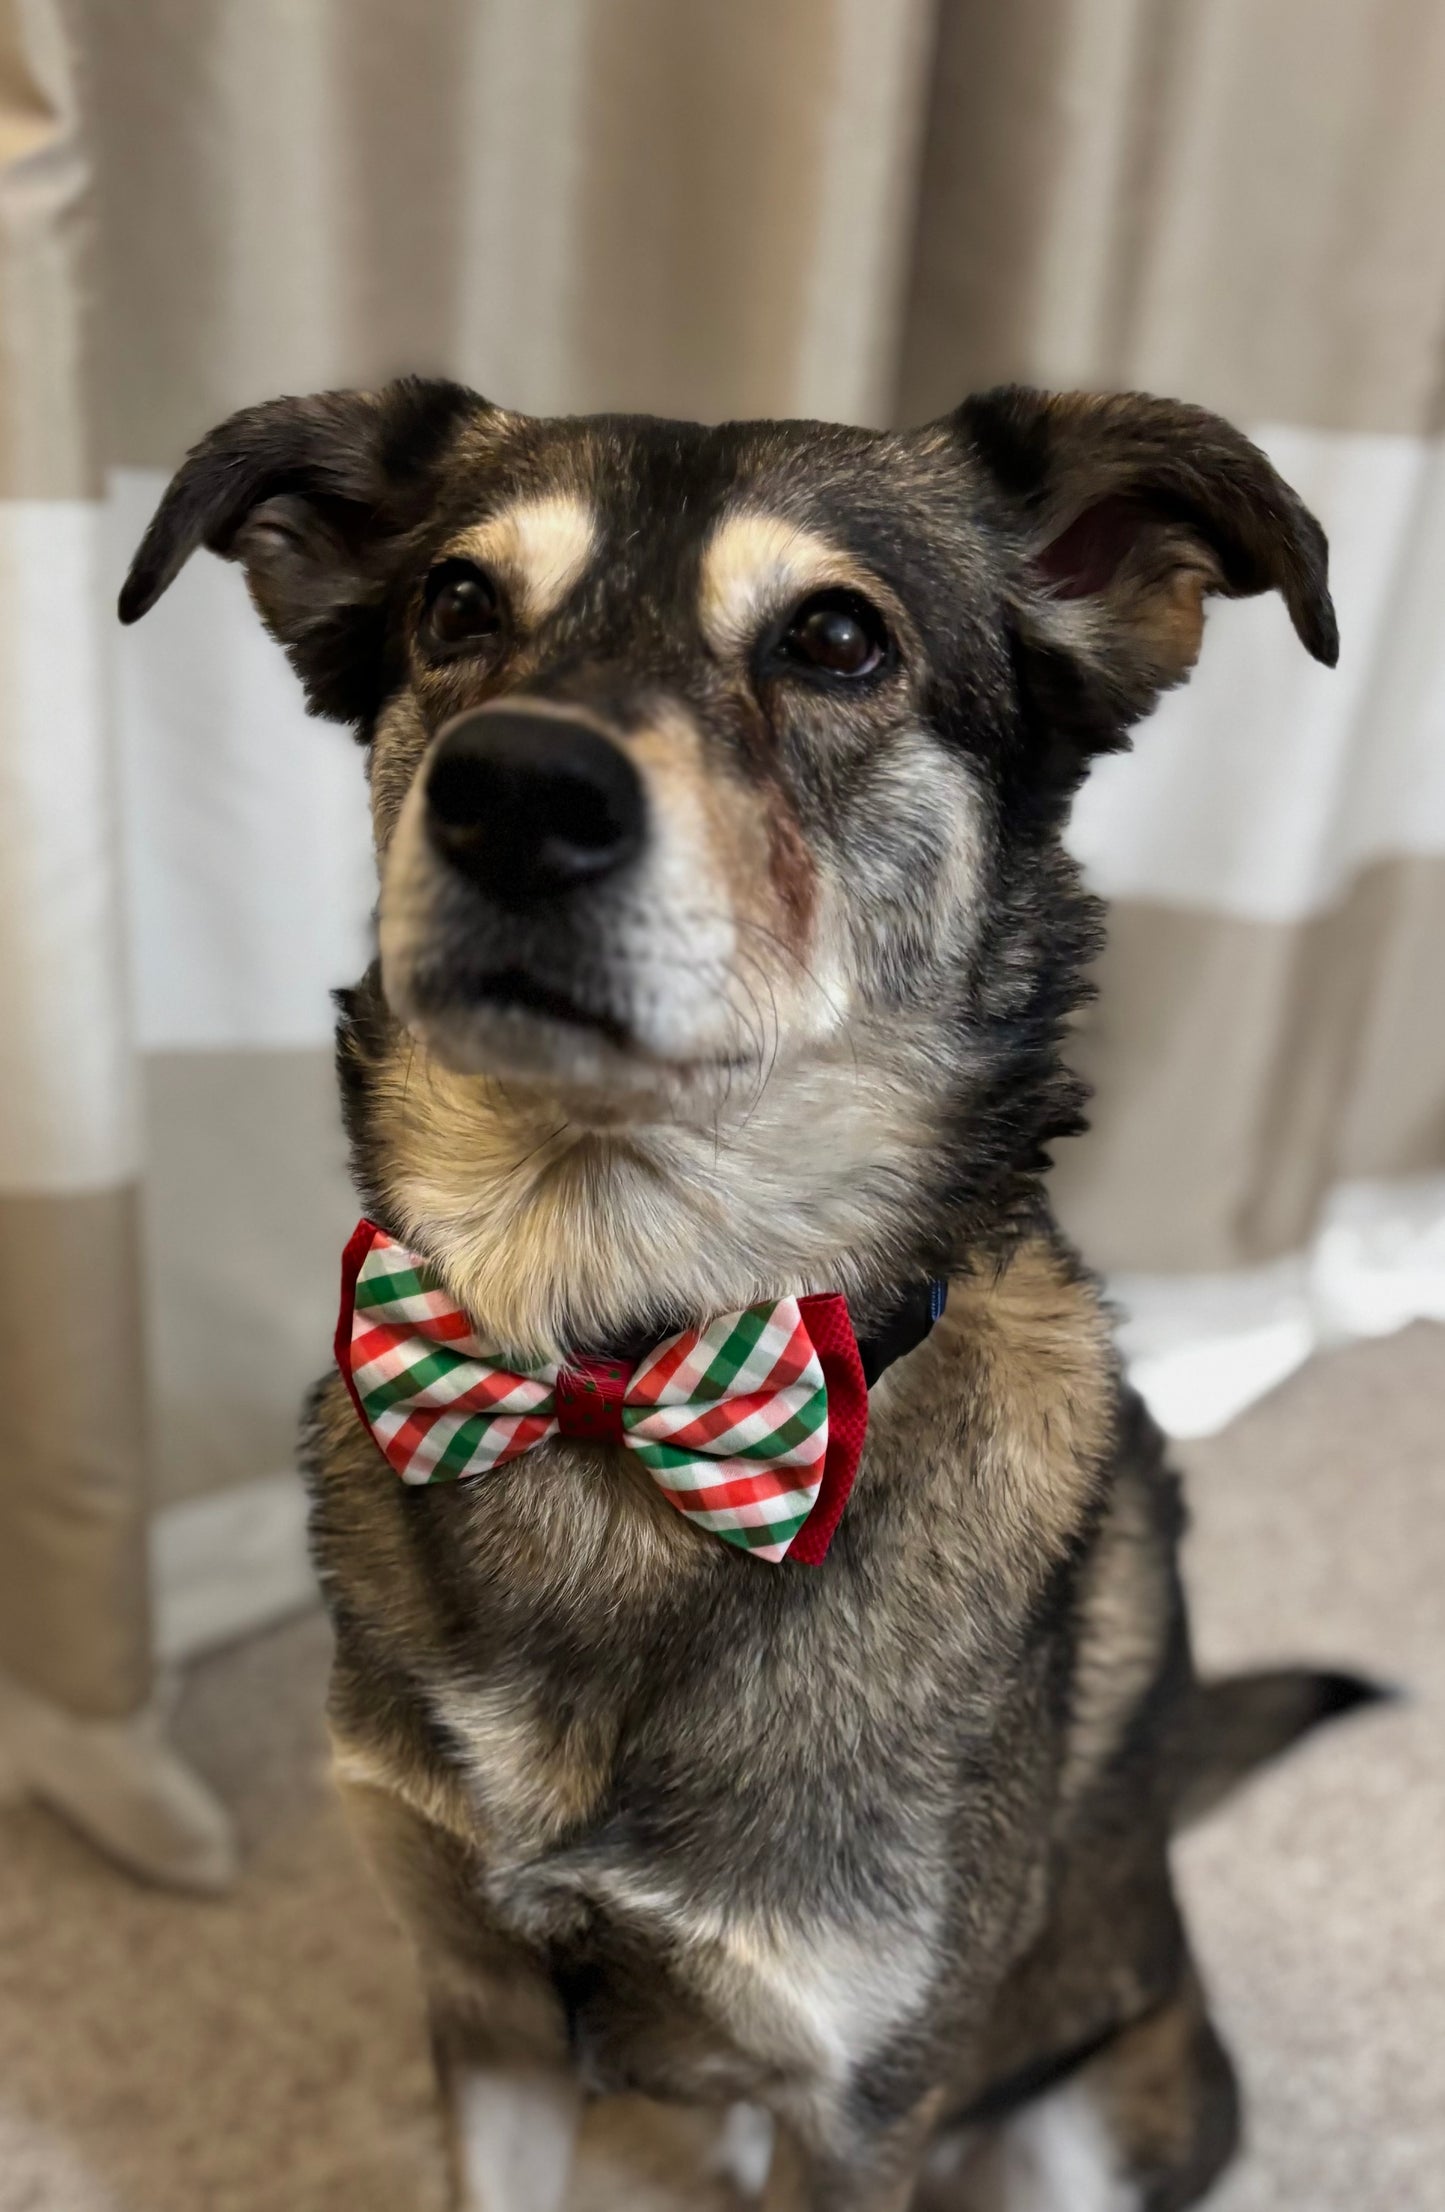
x: 743, y: 2153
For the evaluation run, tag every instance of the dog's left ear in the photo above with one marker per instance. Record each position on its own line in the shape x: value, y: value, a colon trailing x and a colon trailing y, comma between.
x: 1121, y: 515
x: 312, y: 497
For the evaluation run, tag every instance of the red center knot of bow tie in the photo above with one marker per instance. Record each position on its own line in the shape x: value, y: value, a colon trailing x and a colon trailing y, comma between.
x: 589, y: 1399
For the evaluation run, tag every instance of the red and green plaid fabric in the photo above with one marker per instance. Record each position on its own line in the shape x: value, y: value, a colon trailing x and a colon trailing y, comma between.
x: 751, y: 1426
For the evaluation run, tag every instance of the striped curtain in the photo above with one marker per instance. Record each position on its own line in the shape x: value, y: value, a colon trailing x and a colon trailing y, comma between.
x: 831, y: 207
x: 1239, y: 201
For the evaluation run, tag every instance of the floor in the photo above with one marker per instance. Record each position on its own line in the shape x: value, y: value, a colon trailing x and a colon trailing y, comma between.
x: 265, y: 2055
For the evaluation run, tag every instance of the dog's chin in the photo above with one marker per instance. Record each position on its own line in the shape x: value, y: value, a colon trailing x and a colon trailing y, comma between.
x: 520, y: 1031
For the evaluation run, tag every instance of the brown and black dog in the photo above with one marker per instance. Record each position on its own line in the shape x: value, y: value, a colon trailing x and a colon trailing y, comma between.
x: 727, y: 941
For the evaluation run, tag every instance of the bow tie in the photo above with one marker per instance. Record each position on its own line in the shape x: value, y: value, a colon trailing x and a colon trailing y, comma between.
x: 751, y: 1425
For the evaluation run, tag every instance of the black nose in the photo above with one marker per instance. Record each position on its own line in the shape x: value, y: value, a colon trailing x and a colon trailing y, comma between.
x: 532, y: 803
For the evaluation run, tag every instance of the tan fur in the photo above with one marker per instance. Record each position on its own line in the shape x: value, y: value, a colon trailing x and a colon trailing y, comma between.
x: 1123, y: 1630
x: 371, y: 1770
x: 534, y: 1219
x: 1156, y: 600
x: 431, y: 1879
x: 1159, y: 598
x: 540, y: 547
x: 1171, y: 622
x: 1147, y: 2085
x: 754, y: 566
x: 1038, y: 1342
x: 718, y: 845
x: 402, y: 738
x: 540, y: 1775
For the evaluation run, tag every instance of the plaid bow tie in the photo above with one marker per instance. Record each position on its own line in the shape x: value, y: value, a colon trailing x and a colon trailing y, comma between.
x: 752, y: 1426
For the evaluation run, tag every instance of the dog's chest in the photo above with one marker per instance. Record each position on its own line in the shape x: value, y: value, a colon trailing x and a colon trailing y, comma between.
x: 704, y: 1908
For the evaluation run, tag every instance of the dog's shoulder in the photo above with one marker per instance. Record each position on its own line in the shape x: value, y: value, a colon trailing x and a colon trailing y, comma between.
x: 1009, y: 1416
x: 488, y: 1633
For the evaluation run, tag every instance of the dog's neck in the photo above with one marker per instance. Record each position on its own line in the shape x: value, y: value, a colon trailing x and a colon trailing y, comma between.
x: 554, y: 1236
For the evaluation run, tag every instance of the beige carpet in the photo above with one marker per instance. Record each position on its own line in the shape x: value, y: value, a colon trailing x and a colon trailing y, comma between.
x: 264, y: 2055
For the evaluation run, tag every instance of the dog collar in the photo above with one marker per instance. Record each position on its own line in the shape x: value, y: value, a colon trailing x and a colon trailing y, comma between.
x: 751, y: 1425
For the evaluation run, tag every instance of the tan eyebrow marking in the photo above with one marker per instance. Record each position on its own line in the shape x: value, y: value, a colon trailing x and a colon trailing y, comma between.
x: 540, y: 547
x: 753, y: 565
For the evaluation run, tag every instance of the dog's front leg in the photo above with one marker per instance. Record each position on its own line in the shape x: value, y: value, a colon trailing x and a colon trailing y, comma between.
x: 511, y: 2129
x: 510, y: 2100
x: 832, y: 2189
x: 876, y: 2174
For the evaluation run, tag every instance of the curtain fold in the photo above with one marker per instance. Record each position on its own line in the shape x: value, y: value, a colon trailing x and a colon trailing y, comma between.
x: 1234, y: 199
x: 733, y: 207
x: 584, y: 204
x: 74, y: 1615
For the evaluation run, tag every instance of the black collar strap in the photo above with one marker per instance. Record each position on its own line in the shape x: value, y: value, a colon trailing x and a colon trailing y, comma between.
x: 904, y: 1325
x: 902, y: 1328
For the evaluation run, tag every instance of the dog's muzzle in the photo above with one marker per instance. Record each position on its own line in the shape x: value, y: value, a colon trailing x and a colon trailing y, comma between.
x: 532, y: 805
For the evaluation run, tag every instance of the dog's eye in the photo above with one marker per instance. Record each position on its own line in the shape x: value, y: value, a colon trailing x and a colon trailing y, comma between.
x: 462, y: 606
x: 837, y: 633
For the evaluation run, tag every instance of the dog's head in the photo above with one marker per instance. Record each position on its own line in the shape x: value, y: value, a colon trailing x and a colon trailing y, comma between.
x: 705, y: 759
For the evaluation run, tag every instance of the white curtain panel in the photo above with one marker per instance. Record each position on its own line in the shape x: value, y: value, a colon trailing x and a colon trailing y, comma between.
x: 1264, y: 792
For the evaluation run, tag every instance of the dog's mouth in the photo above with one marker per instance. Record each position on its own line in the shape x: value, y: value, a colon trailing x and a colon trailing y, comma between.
x: 516, y: 998
x: 510, y: 1020
x: 514, y: 991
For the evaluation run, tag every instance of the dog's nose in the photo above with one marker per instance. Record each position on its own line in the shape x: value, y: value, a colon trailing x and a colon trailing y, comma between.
x: 532, y: 803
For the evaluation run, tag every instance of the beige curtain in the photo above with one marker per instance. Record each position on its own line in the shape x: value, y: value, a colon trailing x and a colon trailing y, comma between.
x: 73, y: 1591
x: 1237, y: 200
x: 856, y: 208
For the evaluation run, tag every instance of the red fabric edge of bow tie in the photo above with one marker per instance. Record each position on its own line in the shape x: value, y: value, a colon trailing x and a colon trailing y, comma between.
x: 358, y: 1244
x: 831, y: 1329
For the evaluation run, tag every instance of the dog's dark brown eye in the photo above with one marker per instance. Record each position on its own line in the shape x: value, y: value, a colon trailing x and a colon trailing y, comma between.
x: 462, y: 607
x: 837, y: 633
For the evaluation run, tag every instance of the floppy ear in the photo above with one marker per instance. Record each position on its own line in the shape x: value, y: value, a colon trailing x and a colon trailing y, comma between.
x: 1125, y: 513
x: 312, y: 497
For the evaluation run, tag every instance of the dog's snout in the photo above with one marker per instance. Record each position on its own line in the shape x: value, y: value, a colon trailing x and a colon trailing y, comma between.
x: 532, y: 804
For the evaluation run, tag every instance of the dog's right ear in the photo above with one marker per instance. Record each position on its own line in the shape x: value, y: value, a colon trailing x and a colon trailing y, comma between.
x: 312, y: 497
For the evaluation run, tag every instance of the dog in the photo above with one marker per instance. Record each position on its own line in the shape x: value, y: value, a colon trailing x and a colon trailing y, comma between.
x: 727, y: 951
